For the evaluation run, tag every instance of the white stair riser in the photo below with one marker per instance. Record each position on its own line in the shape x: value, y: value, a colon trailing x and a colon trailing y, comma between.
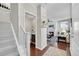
x: 7, y: 41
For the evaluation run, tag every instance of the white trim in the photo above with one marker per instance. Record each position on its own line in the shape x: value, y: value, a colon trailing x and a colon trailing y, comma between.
x: 38, y: 48
x: 41, y: 48
x: 61, y: 19
x: 34, y: 14
x: 16, y: 39
x: 23, y: 28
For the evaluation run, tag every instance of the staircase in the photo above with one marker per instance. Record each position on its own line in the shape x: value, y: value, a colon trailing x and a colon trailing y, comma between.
x: 7, y: 42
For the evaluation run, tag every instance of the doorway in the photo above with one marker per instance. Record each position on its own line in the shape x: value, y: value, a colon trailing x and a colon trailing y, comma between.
x: 64, y: 35
x: 30, y: 29
x: 64, y: 30
x: 61, y: 35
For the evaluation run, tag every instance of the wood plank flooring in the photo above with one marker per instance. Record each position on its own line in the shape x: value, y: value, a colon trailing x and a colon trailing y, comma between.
x: 60, y: 45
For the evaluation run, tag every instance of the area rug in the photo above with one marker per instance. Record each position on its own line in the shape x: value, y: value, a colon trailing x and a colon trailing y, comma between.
x: 52, y: 51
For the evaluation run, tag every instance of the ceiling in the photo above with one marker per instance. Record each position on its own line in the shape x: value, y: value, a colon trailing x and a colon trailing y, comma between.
x: 54, y: 10
x: 58, y: 11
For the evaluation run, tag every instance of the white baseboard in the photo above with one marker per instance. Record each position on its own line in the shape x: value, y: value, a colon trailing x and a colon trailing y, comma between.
x: 41, y: 48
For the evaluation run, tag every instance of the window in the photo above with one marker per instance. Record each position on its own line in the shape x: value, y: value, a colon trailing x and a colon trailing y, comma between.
x: 64, y: 26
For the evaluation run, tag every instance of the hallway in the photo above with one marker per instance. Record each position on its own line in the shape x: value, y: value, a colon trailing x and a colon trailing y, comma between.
x: 30, y: 29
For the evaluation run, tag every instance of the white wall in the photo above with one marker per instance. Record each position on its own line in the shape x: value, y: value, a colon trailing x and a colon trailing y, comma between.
x: 23, y: 9
x: 26, y: 8
x: 15, y: 24
x: 34, y: 25
x: 21, y: 16
x: 56, y: 28
x: 43, y: 38
x: 14, y: 18
x: 4, y: 15
x: 38, y: 29
x: 28, y: 23
x: 29, y: 8
x: 41, y: 42
x: 74, y: 39
x: 17, y: 19
x: 58, y: 10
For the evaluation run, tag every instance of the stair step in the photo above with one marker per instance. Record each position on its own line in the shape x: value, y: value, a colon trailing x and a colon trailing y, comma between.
x: 5, y: 33
x: 8, y: 50
x: 6, y: 38
x: 13, y: 54
x: 7, y: 43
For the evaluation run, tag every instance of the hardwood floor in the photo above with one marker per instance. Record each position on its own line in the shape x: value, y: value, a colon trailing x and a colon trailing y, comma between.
x: 60, y: 45
x: 37, y: 52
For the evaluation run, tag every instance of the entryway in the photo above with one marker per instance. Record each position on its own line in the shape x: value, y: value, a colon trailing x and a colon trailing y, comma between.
x: 62, y: 39
x: 30, y: 25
